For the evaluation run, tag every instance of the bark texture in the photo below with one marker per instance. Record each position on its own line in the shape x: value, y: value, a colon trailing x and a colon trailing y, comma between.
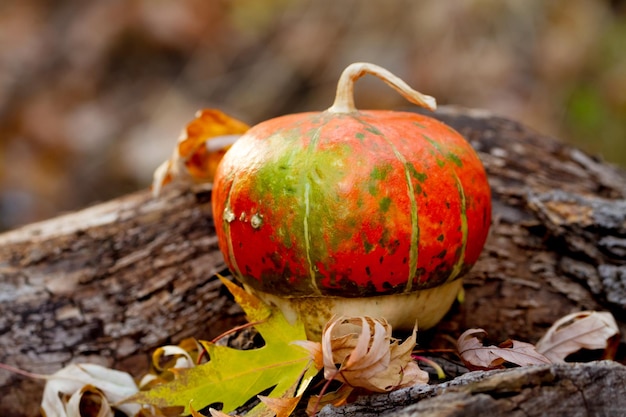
x: 109, y: 283
x: 558, y: 390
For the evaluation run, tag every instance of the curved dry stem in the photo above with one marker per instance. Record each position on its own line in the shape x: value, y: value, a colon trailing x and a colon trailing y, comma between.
x: 344, y: 100
x: 22, y: 372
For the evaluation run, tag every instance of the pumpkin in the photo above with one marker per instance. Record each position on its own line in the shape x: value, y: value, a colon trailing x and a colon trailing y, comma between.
x: 350, y: 212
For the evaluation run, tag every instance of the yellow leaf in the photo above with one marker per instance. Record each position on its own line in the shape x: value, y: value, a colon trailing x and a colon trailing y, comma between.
x: 232, y: 376
x: 218, y: 413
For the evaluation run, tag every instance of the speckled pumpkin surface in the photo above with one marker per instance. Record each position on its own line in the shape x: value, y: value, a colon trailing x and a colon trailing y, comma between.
x: 350, y: 204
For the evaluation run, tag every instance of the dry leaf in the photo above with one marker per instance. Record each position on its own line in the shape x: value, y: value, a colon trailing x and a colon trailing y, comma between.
x: 335, y: 398
x: 280, y: 407
x: 315, y: 350
x: 367, y: 355
x: 167, y: 359
x: 477, y: 356
x: 284, y: 405
x: 114, y: 385
x: 584, y: 330
x: 89, y: 401
x: 200, y: 148
x: 173, y: 356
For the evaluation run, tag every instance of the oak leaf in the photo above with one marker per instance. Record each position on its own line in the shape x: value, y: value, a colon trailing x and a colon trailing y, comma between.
x: 475, y: 355
x: 201, y: 146
x: 583, y: 330
x: 231, y: 376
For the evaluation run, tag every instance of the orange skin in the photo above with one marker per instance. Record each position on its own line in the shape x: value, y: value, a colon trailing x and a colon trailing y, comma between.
x: 358, y: 204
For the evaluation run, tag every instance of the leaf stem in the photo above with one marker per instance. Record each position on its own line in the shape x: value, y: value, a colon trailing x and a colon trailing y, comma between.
x: 322, y: 392
x: 22, y: 372
x: 440, y: 372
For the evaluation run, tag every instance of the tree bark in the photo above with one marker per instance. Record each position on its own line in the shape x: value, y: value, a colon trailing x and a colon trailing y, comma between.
x: 109, y: 283
x: 106, y: 285
x: 592, y: 389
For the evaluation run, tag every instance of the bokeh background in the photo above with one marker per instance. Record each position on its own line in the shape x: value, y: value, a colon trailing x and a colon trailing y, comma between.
x: 93, y: 94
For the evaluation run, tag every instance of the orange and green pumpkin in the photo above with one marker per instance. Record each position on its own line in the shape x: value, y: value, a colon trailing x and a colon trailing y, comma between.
x: 317, y: 211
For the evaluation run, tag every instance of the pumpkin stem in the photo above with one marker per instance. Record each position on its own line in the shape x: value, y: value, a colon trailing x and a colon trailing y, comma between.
x: 344, y: 100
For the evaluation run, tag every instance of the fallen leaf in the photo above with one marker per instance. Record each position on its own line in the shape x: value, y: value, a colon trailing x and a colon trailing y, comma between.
x: 477, y: 356
x: 280, y: 407
x: 440, y: 372
x: 360, y: 352
x: 583, y: 330
x: 167, y: 359
x: 174, y: 356
x: 194, y: 413
x: 315, y: 350
x: 217, y: 413
x: 232, y: 376
x: 89, y: 401
x: 201, y: 146
x: 336, y: 398
x: 114, y: 385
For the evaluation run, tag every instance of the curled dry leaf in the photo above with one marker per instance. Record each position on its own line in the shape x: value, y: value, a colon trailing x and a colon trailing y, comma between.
x: 583, y: 330
x: 477, y: 356
x: 167, y: 359
x: 171, y: 356
x: 201, y: 146
x: 114, y: 386
x: 89, y: 401
x: 360, y: 352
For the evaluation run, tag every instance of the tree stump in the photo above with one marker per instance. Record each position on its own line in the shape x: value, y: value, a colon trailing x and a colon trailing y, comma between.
x: 110, y: 283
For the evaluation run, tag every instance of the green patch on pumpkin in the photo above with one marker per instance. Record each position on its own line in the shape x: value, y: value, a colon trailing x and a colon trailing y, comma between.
x: 380, y: 172
x: 374, y: 130
x: 455, y: 159
x: 419, y: 176
x: 384, y: 204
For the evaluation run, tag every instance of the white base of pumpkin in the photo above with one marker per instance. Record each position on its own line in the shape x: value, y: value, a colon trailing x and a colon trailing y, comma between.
x: 426, y: 307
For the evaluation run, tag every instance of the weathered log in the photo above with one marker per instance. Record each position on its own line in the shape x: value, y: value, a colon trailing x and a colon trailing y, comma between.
x: 109, y: 283
x: 591, y: 389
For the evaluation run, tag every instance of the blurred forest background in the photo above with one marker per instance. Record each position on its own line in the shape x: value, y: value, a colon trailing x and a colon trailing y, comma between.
x: 93, y: 94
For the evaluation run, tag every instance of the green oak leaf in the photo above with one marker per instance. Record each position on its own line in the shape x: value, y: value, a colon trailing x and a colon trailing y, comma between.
x: 232, y: 376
